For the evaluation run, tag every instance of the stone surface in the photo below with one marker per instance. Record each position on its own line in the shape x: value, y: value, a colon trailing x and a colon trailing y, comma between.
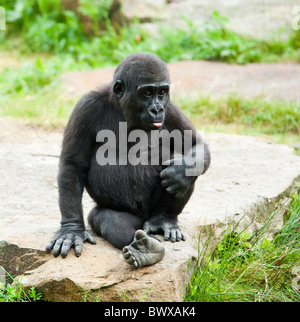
x: 246, y: 175
x: 254, y: 17
x: 144, y: 10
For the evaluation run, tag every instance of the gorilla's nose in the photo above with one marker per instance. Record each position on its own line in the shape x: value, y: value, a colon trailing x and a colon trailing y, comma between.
x: 156, y: 111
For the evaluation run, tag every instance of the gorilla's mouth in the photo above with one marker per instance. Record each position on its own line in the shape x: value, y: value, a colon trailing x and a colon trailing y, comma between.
x: 157, y: 124
x: 150, y: 123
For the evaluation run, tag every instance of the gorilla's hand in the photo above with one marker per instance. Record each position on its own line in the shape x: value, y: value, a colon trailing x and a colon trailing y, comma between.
x: 165, y: 224
x: 69, y: 235
x: 174, y: 178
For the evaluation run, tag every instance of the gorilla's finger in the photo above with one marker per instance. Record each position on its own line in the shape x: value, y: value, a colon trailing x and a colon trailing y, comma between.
x: 139, y: 234
x: 78, y: 246
x: 126, y: 252
x: 167, y: 173
x: 167, y: 234
x: 67, y: 244
x: 130, y: 260
x: 173, y: 235
x: 182, y: 236
x: 166, y: 182
x: 50, y: 245
x: 179, y: 194
x: 57, y: 247
x: 171, y: 189
x: 178, y: 235
x: 90, y: 239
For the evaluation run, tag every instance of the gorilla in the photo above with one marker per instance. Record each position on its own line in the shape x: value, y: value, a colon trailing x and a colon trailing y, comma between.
x: 134, y: 200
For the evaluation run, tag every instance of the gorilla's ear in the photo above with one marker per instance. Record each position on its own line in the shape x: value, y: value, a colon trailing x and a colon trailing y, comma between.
x: 119, y: 88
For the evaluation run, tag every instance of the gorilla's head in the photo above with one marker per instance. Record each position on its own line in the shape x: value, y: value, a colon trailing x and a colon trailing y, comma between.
x: 141, y: 84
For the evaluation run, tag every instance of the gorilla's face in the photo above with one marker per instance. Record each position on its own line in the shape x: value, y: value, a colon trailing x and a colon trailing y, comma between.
x: 151, y: 102
x: 144, y: 107
x: 141, y: 84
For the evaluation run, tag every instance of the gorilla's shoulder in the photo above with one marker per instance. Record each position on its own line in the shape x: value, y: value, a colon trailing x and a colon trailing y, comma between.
x: 100, y: 96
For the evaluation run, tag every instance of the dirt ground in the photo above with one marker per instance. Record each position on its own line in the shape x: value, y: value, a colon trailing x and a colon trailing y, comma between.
x: 17, y: 133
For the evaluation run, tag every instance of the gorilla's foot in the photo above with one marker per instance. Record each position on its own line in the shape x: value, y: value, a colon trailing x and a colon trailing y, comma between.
x: 144, y: 250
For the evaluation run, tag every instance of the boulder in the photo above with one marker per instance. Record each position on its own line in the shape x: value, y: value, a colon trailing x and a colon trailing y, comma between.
x: 144, y: 10
x: 247, y: 175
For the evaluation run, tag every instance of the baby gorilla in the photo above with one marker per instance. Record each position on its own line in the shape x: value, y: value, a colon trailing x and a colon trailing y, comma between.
x: 108, y: 150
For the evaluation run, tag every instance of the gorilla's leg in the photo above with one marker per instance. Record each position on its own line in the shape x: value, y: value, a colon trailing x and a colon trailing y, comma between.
x: 121, y: 230
x: 116, y: 227
x: 164, y: 212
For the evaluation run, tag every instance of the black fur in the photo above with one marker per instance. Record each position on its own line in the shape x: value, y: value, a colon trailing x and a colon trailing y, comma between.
x: 127, y: 196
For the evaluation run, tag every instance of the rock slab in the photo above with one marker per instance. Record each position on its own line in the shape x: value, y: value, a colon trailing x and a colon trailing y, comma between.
x: 245, y: 173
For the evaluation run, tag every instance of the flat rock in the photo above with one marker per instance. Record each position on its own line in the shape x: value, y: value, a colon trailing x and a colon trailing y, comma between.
x: 246, y: 173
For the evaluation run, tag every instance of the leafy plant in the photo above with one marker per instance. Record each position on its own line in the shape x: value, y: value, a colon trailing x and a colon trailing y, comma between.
x: 46, y: 26
x: 15, y: 293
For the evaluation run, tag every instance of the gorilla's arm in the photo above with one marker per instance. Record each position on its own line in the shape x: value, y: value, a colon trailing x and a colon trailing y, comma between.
x: 178, y: 178
x: 78, y: 142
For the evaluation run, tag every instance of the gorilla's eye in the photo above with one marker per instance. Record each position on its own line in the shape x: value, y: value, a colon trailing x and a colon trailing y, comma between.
x: 162, y: 92
x: 147, y: 93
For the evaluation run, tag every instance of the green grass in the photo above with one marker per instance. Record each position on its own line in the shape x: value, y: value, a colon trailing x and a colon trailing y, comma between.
x: 253, y: 267
x: 275, y: 119
x: 47, y: 109
x: 34, y: 95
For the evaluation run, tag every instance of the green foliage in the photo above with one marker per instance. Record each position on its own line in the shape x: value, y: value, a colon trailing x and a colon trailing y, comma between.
x: 15, y: 293
x: 212, y: 40
x: 45, y: 26
x: 251, y: 267
x: 28, y: 79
